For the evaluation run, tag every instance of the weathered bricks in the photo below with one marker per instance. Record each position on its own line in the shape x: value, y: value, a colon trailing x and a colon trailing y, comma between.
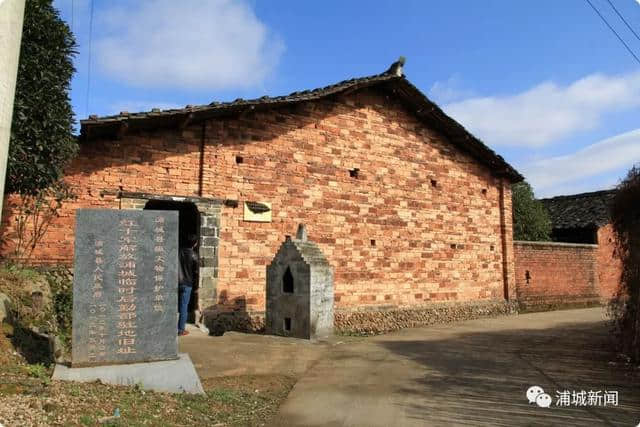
x: 609, y: 264
x: 556, y: 274
x: 441, y: 221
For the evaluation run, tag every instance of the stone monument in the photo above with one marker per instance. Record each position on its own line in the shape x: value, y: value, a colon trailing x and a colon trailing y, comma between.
x: 299, y: 290
x: 125, y: 298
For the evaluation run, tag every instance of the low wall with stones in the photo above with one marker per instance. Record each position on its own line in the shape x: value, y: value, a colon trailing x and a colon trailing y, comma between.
x: 551, y: 275
x: 239, y: 321
x: 372, y: 322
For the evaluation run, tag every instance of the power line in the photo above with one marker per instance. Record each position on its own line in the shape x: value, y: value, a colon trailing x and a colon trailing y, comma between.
x: 86, y: 105
x: 624, y: 20
x: 614, y: 31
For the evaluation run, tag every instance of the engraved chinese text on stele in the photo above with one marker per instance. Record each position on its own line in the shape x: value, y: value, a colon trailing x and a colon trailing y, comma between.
x: 125, y: 287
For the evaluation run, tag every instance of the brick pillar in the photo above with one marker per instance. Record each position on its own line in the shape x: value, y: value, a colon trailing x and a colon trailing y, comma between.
x: 506, y: 236
x: 209, y: 244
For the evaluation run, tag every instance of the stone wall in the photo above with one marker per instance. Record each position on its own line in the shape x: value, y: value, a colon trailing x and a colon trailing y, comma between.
x: 373, y: 322
x: 404, y: 217
x: 552, y: 275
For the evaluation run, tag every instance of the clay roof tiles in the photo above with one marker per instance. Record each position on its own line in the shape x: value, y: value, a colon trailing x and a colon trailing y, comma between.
x: 585, y: 210
x: 394, y: 83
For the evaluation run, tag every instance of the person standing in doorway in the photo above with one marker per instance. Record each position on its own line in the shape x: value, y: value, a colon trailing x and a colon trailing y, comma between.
x: 186, y: 277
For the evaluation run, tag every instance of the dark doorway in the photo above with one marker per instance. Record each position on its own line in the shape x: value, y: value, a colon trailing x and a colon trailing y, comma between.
x: 189, y: 223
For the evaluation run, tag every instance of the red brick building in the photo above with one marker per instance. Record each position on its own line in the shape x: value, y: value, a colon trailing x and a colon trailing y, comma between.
x: 411, y: 210
x: 584, y: 218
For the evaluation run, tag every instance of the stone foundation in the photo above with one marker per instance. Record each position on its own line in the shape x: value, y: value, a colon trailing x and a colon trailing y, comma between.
x: 238, y: 321
x: 532, y: 306
x: 373, y: 322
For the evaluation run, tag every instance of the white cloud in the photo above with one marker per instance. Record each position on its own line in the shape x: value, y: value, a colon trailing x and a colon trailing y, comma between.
x: 195, y: 44
x: 557, y: 174
x: 449, y: 90
x: 548, y: 111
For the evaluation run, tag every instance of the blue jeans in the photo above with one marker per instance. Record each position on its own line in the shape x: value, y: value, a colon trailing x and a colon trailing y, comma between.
x: 184, y: 294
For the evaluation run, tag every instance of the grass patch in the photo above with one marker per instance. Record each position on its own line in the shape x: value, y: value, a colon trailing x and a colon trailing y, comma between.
x: 27, y: 391
x: 37, y: 371
x: 28, y: 394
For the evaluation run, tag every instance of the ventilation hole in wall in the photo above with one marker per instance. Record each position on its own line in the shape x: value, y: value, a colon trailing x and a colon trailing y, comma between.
x: 434, y: 183
x: 491, y: 247
x: 287, y: 324
x: 527, y: 276
x: 287, y: 282
x: 373, y: 242
x: 353, y: 173
x: 239, y: 159
x: 484, y: 191
x: 453, y: 246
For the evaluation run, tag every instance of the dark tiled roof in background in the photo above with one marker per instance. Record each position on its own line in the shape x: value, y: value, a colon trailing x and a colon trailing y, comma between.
x: 586, y: 210
x: 396, y: 85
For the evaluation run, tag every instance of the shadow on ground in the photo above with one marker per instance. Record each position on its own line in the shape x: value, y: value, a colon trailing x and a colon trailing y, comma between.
x: 469, y: 373
x: 481, y: 377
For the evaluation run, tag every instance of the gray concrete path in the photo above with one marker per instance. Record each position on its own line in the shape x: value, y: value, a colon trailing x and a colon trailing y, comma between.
x: 235, y: 354
x: 470, y: 373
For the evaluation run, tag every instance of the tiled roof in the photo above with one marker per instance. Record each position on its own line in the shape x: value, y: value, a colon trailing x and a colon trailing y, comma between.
x: 391, y: 81
x: 586, y: 210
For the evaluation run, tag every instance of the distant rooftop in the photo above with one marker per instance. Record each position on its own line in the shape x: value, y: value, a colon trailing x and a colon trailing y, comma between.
x: 585, y: 210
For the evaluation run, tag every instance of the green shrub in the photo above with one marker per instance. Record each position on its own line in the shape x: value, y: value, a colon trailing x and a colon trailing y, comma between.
x: 37, y: 370
x: 625, y: 306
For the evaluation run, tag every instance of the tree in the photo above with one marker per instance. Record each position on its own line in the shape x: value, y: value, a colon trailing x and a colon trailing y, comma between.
x: 625, y: 306
x: 530, y: 218
x: 42, y: 141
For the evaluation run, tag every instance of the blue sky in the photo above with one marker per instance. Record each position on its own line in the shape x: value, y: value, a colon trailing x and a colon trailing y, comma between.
x: 545, y: 84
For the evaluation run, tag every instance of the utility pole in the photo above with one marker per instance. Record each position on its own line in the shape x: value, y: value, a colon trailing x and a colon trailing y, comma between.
x: 11, y: 17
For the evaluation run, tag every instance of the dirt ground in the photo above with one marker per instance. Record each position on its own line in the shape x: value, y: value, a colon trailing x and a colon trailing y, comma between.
x: 28, y: 397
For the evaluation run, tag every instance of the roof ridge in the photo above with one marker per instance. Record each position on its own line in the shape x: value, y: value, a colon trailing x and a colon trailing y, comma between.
x: 581, y: 195
x: 393, y: 81
x: 265, y: 99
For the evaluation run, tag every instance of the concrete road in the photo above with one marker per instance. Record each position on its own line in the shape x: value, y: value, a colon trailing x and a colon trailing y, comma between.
x: 470, y: 373
x: 235, y: 354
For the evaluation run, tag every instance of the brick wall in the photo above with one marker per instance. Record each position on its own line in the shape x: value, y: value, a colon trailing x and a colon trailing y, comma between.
x: 609, y: 265
x: 559, y: 273
x: 422, y: 222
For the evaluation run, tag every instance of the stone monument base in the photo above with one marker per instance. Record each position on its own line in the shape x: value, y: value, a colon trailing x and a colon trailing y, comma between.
x: 172, y: 376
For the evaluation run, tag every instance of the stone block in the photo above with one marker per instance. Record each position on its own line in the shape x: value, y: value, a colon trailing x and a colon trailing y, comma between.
x: 124, y: 287
x: 171, y: 376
